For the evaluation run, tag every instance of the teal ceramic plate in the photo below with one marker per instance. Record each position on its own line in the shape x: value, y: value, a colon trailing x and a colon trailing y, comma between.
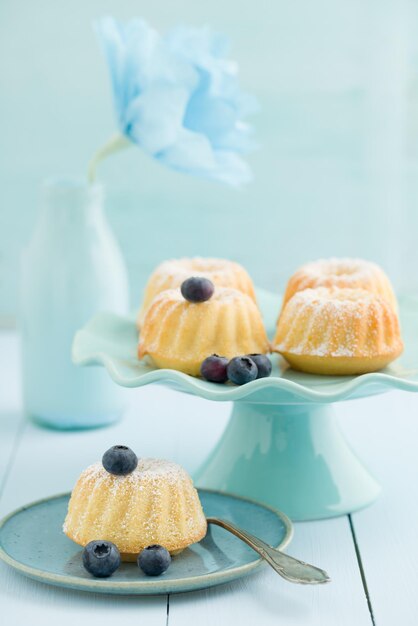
x: 32, y: 542
x: 111, y: 341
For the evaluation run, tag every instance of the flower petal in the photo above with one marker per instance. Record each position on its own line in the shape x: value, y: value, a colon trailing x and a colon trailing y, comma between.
x: 193, y: 154
x: 177, y: 97
x: 154, y: 119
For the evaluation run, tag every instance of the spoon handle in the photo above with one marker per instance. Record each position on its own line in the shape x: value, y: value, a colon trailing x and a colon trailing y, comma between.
x: 287, y: 566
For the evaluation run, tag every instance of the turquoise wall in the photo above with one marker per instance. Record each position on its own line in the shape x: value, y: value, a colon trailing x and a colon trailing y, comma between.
x: 335, y: 173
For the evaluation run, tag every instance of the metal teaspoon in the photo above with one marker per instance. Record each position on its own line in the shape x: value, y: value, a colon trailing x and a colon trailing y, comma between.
x: 287, y: 566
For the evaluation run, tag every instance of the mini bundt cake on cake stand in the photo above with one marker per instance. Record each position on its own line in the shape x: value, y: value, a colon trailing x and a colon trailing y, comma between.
x: 170, y: 275
x: 156, y: 503
x: 344, y: 273
x: 338, y: 331
x: 178, y: 334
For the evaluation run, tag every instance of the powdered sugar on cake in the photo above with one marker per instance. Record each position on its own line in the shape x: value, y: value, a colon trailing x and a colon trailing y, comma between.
x: 338, y: 313
x: 147, y: 471
x: 177, y: 270
x: 334, y: 269
x: 155, y: 503
x: 170, y: 305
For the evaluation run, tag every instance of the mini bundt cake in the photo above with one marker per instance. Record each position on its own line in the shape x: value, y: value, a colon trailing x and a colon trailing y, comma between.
x: 178, y: 334
x: 170, y: 274
x: 338, y: 331
x: 155, y: 503
x: 345, y: 273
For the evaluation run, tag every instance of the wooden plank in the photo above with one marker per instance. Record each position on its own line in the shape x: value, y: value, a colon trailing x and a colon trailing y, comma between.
x: 24, y: 601
x: 11, y: 420
x: 264, y: 598
x: 384, y: 430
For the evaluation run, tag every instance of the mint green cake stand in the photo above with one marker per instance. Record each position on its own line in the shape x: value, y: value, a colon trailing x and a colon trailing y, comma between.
x: 282, y: 445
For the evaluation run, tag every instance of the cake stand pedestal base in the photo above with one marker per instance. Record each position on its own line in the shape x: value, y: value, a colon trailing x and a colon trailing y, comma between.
x: 292, y: 457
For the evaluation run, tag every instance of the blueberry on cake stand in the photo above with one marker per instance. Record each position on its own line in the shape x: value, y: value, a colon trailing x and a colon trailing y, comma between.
x: 282, y: 445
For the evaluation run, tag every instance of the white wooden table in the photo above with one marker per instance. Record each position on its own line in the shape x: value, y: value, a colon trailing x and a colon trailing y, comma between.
x: 372, y: 556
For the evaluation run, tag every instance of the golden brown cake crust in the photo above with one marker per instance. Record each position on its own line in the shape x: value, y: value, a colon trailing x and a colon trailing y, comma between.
x: 343, y: 273
x: 156, y: 503
x: 179, y: 335
x: 338, y: 331
x: 338, y: 366
x: 170, y: 274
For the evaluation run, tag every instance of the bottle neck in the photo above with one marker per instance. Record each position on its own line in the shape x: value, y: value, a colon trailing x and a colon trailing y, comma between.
x: 67, y: 203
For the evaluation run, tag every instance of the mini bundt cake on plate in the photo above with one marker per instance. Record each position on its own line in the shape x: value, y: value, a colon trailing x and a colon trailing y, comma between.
x: 345, y: 273
x: 155, y: 503
x: 170, y: 274
x: 178, y: 334
x: 338, y: 331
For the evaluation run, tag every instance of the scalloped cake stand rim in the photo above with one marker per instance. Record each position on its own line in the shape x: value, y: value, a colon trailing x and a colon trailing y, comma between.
x: 228, y: 394
x: 312, y: 389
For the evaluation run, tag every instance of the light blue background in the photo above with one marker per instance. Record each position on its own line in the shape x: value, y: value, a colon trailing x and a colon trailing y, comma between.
x: 336, y: 172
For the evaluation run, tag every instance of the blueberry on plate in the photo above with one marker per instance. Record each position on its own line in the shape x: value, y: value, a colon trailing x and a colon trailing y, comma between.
x: 241, y: 370
x: 119, y: 460
x: 197, y: 289
x: 101, y: 558
x: 154, y: 560
x: 263, y: 364
x: 213, y: 368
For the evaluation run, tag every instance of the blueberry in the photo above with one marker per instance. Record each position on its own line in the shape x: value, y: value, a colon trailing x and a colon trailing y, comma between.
x: 119, y: 460
x: 154, y: 560
x: 197, y: 289
x: 214, y: 367
x: 263, y: 364
x: 241, y: 370
x: 101, y: 558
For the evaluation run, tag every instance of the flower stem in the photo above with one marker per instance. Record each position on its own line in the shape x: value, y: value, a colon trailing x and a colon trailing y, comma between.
x: 116, y: 142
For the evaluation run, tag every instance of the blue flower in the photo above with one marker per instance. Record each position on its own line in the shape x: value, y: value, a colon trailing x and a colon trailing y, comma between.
x: 177, y: 97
